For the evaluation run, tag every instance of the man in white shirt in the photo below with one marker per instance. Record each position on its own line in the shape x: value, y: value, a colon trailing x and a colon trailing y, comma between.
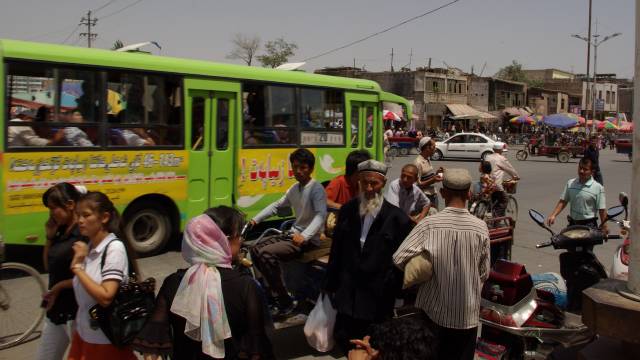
x: 405, y: 194
x: 499, y: 166
x: 23, y: 135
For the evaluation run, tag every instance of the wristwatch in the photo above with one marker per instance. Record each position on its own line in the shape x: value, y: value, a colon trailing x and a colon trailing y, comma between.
x: 77, y: 267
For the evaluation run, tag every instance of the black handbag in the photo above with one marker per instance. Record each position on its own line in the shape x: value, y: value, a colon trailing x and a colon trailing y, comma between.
x: 127, y: 314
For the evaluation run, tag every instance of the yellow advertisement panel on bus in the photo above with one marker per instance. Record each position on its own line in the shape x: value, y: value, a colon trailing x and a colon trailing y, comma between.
x: 123, y: 175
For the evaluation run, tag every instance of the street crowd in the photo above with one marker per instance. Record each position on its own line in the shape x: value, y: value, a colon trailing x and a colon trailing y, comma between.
x: 380, y: 241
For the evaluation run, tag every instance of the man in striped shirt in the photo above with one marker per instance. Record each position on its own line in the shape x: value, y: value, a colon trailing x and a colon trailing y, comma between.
x: 458, y: 245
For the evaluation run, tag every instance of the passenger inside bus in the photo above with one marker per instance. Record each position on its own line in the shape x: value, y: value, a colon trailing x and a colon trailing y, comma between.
x: 23, y: 135
x: 75, y: 136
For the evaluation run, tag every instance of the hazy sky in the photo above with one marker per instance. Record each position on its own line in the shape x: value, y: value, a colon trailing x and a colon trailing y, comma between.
x: 468, y: 33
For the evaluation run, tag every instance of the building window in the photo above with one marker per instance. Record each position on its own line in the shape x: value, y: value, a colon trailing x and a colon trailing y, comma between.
x: 562, y: 104
x: 434, y: 86
x: 600, y: 94
x: 613, y: 97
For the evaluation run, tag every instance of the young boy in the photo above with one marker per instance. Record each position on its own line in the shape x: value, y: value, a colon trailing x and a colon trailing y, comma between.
x: 309, y: 202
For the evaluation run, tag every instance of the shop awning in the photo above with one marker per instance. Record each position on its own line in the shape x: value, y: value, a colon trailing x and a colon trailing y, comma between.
x: 464, y: 111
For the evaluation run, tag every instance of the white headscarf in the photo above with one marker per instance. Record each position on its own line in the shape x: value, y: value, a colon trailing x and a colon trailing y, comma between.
x: 199, y: 298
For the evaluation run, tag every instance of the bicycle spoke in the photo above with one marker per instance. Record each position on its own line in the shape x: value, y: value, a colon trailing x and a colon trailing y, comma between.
x: 20, y: 297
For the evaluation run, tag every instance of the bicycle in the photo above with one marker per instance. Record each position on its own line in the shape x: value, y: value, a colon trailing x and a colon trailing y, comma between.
x: 21, y: 292
x: 483, y: 208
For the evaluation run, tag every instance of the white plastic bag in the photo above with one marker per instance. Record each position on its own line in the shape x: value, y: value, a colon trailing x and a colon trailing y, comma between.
x: 318, y: 328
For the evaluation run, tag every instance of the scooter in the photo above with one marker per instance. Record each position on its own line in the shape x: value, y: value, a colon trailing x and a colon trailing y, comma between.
x: 620, y: 266
x: 522, y: 321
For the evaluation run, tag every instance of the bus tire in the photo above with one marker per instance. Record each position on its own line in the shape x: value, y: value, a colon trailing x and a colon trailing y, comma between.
x: 148, y: 227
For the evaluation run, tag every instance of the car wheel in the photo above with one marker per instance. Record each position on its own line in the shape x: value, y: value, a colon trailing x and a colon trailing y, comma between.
x: 563, y: 156
x: 485, y: 154
x: 437, y: 155
x: 393, y: 152
x: 404, y: 151
x: 148, y: 228
x: 522, y: 155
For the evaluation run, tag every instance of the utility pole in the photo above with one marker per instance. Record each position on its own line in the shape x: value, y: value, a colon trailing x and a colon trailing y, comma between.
x: 586, y: 104
x: 391, y: 59
x: 595, y: 78
x: 89, y: 22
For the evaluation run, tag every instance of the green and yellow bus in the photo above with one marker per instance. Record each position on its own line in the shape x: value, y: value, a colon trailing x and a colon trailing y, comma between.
x: 166, y: 138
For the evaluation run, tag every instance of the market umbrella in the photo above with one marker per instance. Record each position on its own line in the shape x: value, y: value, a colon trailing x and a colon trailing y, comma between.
x: 390, y: 115
x: 560, y: 121
x: 580, y: 119
x: 523, y: 119
x: 626, y: 126
x: 590, y: 123
x: 606, y: 125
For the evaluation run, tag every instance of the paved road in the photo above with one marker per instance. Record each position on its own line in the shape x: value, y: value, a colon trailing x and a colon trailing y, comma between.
x: 542, y: 182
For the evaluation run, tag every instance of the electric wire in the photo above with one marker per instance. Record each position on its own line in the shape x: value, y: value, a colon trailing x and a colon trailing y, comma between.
x: 381, y: 31
x: 104, y: 6
x: 71, y: 34
x: 120, y: 10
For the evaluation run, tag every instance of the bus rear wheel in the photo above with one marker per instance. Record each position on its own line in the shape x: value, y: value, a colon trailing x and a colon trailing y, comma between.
x: 148, y: 228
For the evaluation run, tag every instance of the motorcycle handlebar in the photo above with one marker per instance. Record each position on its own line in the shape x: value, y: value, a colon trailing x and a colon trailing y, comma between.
x: 549, y: 243
x: 610, y: 237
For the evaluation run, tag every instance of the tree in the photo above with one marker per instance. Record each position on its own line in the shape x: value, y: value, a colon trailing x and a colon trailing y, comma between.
x: 512, y: 72
x: 278, y: 52
x: 117, y: 45
x: 244, y: 48
x: 515, y: 72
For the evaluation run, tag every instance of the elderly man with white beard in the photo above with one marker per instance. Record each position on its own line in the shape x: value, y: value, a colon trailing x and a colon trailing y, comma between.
x: 361, y: 277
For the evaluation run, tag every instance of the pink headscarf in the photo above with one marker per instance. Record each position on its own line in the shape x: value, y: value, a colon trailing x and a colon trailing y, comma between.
x: 199, y: 298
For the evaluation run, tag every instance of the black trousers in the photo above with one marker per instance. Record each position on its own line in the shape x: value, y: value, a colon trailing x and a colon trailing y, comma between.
x: 456, y: 344
x: 588, y: 222
x: 349, y: 328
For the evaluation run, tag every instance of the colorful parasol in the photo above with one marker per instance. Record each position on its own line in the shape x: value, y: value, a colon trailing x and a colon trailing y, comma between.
x: 607, y: 125
x: 580, y: 119
x: 625, y: 126
x: 390, y: 115
x: 562, y: 121
x: 523, y: 119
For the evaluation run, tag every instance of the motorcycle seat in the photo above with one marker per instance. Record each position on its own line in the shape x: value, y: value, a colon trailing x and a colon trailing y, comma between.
x: 512, y: 279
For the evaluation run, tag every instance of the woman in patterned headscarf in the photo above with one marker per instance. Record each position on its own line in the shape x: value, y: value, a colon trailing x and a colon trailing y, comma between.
x: 208, y: 310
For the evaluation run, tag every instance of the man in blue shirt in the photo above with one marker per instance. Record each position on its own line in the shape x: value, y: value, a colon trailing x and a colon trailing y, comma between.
x: 585, y: 196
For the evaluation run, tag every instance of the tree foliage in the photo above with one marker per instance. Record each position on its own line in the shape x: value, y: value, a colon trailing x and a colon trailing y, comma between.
x: 277, y: 52
x: 117, y: 45
x: 244, y: 48
x: 514, y: 72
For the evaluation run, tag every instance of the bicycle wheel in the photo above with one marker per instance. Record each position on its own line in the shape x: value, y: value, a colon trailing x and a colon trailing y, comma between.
x: 512, y: 208
x: 481, y: 209
x: 21, y: 291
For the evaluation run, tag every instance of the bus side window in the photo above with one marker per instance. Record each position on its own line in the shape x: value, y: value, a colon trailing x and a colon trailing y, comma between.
x: 197, y: 124
x: 222, y: 125
x: 269, y: 115
x: 355, y: 118
x: 369, y: 134
x: 141, y: 110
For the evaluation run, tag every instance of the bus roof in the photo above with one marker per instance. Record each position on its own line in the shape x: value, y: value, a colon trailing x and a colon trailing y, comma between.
x: 15, y: 49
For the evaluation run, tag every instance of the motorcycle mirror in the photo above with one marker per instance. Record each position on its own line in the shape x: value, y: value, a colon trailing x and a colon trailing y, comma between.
x: 614, y: 211
x: 285, y: 211
x: 537, y: 217
x: 624, y: 199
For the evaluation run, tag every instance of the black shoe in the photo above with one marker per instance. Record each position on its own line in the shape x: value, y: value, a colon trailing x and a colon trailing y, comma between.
x: 285, y: 307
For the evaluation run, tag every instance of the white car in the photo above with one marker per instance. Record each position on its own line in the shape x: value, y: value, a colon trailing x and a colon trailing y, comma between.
x: 465, y: 145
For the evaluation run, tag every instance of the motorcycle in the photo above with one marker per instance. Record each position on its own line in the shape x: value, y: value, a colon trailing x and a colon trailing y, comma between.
x: 303, y: 276
x: 620, y: 266
x: 521, y: 320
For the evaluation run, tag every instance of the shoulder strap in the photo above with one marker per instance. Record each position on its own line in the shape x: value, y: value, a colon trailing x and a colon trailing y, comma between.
x: 104, y: 256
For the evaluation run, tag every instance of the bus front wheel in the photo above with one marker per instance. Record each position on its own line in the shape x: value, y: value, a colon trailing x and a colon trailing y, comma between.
x: 147, y: 228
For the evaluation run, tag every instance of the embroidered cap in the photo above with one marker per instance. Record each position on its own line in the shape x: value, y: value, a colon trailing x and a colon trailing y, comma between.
x: 423, y: 142
x: 456, y: 179
x: 373, y: 165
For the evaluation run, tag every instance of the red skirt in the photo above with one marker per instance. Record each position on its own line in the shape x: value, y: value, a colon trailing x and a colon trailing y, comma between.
x: 81, y: 350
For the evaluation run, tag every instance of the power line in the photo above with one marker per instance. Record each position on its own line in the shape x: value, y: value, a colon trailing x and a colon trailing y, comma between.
x: 104, y: 6
x: 71, y: 34
x: 53, y: 32
x: 121, y: 10
x: 381, y: 31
